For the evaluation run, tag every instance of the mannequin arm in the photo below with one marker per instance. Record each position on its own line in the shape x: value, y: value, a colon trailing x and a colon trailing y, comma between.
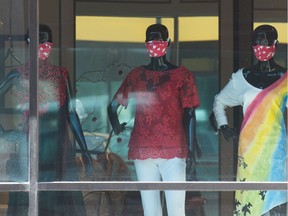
x: 189, y: 121
x: 113, y: 117
x: 76, y: 128
x: 8, y: 81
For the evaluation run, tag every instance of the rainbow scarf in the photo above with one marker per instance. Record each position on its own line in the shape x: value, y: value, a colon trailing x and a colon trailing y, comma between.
x: 262, y: 149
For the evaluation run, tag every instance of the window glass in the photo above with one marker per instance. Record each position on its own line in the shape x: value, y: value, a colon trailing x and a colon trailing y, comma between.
x: 101, y: 66
x: 198, y: 51
x: 14, y: 146
x: 83, y: 61
x: 13, y: 54
x: 102, y: 63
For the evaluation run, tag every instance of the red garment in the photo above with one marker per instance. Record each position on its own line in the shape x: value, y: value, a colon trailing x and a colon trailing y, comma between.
x: 160, y: 98
x: 52, y: 85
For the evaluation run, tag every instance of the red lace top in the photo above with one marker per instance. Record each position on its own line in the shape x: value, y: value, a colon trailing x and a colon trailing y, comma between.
x: 160, y: 98
x: 52, y: 85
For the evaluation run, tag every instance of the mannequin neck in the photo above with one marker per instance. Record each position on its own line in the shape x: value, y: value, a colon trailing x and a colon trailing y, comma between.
x: 266, y: 66
x: 264, y: 73
x: 159, y: 64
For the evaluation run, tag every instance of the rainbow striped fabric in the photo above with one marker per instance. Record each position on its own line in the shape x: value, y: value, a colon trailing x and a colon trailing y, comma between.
x: 262, y: 152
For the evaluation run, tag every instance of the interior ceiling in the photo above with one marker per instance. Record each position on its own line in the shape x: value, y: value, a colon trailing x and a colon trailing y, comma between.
x: 13, y: 14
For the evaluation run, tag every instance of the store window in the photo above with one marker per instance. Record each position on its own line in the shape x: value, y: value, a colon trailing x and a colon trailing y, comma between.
x: 43, y: 168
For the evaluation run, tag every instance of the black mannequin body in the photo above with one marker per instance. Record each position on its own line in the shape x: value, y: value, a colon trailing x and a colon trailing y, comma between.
x: 165, y: 97
x: 262, y: 74
x: 262, y: 92
x: 160, y: 64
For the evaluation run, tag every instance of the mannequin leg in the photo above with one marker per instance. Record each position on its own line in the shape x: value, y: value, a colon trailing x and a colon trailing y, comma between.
x: 174, y: 170
x: 147, y: 170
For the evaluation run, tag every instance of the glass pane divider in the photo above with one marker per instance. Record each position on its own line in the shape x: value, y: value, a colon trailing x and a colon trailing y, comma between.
x: 189, y: 186
x: 33, y: 107
x: 15, y: 186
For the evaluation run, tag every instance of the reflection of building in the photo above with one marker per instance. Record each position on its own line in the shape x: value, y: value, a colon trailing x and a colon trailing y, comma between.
x: 80, y: 110
x: 96, y: 143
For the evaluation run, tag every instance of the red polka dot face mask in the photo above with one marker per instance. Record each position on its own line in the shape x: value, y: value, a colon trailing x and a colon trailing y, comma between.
x: 264, y: 53
x: 44, y: 50
x: 156, y: 48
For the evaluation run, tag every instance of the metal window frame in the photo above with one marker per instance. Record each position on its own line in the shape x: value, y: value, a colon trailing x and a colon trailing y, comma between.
x: 33, y: 108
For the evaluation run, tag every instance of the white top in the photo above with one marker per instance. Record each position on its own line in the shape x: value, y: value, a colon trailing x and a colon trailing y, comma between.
x: 237, y: 92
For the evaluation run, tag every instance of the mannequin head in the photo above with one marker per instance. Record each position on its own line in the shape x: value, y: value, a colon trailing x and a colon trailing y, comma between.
x: 45, y: 41
x: 265, y: 35
x: 157, y: 32
x: 157, y: 40
x: 264, y: 42
x: 45, y: 34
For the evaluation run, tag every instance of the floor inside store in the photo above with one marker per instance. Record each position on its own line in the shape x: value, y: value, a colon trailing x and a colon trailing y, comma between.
x: 133, y: 205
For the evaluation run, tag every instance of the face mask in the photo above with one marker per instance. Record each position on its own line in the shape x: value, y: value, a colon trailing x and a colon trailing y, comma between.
x: 44, y: 50
x: 156, y: 48
x: 264, y: 53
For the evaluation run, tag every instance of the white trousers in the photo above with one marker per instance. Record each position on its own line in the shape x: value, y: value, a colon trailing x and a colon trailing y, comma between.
x: 166, y: 170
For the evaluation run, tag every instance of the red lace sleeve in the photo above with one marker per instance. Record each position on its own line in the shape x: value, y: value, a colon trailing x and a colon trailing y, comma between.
x: 189, y: 92
x: 127, y: 87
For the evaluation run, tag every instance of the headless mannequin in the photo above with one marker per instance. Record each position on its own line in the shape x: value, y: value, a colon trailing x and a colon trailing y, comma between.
x: 261, y: 75
x: 158, y: 32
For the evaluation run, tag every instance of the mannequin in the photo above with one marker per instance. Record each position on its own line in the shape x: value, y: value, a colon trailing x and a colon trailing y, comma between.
x: 164, y: 129
x: 56, y: 114
x: 262, y: 92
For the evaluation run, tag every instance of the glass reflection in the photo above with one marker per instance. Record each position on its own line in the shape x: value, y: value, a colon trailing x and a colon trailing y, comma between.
x: 14, y: 146
x: 57, y: 121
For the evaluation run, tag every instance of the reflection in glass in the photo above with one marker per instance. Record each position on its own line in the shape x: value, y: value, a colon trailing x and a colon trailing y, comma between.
x: 57, y: 121
x: 13, y: 140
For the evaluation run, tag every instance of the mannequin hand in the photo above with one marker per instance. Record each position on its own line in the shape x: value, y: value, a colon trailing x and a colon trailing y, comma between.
x: 230, y: 134
x: 120, y: 128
